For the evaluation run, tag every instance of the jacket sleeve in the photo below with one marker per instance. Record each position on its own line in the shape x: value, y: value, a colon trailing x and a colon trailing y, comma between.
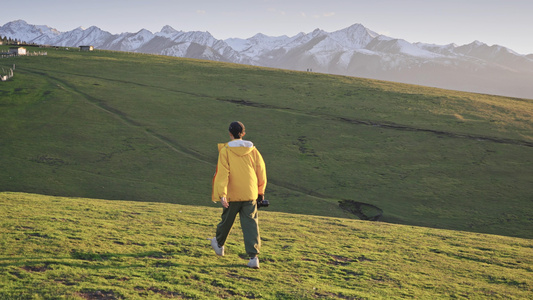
x: 221, y: 178
x: 260, y: 171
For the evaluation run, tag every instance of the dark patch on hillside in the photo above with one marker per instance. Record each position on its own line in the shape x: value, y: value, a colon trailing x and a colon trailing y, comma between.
x: 49, y: 160
x: 364, y: 211
x: 36, y: 268
x: 304, y: 148
x: 98, y: 294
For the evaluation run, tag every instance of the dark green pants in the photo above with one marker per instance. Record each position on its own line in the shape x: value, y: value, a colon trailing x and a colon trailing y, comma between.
x: 249, y: 222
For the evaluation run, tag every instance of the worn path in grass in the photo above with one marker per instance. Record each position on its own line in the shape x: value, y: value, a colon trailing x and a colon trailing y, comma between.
x: 121, y: 115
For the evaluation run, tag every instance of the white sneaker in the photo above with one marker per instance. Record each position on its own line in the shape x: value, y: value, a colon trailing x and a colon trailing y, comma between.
x: 254, y: 263
x: 218, y: 250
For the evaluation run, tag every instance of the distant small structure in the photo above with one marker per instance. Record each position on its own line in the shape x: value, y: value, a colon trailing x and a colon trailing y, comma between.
x: 7, y: 76
x: 1, y: 43
x: 86, y: 48
x: 17, y: 50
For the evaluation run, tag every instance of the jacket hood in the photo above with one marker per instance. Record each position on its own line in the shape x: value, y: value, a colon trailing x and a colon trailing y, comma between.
x: 238, y: 147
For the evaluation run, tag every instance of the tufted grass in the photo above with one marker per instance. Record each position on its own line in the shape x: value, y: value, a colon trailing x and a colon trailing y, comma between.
x: 79, y: 248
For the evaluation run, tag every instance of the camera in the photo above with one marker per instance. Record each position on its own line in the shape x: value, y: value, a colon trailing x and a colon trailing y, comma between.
x: 262, y: 202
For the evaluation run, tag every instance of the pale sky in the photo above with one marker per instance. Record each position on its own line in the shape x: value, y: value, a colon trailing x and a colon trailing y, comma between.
x: 507, y: 23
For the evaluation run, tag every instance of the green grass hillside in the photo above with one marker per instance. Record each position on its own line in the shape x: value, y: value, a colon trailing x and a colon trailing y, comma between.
x: 78, y: 248
x: 140, y: 127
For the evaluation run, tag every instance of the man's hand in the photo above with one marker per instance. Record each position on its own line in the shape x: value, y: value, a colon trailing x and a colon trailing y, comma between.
x: 224, y: 202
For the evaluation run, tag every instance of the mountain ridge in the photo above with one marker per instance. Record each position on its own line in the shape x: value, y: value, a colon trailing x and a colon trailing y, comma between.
x: 352, y: 51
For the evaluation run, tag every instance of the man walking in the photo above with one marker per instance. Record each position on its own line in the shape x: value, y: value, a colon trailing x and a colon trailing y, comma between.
x: 239, y: 183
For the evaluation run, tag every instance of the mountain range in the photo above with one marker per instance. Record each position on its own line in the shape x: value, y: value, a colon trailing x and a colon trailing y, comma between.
x: 352, y: 51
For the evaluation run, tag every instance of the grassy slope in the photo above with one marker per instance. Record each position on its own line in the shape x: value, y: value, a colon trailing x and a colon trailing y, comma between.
x: 79, y: 248
x: 139, y: 127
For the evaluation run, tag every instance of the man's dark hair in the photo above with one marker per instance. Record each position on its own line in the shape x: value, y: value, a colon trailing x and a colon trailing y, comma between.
x: 236, y: 129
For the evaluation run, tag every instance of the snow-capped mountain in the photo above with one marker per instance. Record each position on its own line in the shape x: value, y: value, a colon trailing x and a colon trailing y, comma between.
x: 352, y: 51
x: 24, y: 32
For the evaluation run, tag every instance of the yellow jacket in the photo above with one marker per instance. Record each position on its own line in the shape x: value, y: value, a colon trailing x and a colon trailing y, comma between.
x: 240, y: 173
